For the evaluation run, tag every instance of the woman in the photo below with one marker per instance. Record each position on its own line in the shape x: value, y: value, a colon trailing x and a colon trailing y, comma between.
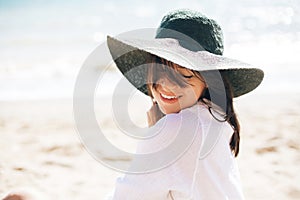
x: 196, y: 129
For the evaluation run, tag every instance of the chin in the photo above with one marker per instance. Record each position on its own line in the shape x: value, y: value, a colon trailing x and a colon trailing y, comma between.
x: 169, y: 111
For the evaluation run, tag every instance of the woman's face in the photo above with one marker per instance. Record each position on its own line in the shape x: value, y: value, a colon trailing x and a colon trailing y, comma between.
x: 172, y: 98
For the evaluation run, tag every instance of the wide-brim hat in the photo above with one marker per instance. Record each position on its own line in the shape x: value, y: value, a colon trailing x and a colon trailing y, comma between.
x: 194, y: 51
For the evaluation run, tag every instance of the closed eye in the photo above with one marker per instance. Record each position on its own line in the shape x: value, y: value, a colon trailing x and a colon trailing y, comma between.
x: 190, y: 76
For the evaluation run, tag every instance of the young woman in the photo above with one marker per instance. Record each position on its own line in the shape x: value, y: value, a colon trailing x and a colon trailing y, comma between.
x: 196, y: 131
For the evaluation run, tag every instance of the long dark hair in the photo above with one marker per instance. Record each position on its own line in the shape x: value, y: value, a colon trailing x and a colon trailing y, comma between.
x: 229, y: 113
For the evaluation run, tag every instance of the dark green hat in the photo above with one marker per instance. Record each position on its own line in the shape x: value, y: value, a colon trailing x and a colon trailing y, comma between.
x: 188, y: 39
x: 203, y: 30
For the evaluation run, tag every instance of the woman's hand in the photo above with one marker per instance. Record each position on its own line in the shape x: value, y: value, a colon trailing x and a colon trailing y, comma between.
x: 154, y: 114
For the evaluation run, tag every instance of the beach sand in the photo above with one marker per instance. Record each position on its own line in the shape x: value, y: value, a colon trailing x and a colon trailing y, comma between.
x: 42, y: 154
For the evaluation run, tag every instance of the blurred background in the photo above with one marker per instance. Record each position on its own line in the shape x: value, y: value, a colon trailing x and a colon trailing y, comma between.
x: 46, y: 42
x: 43, y: 45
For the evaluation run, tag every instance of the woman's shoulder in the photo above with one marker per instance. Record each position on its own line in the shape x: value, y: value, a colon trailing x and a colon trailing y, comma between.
x: 185, y: 124
x: 187, y: 118
x: 198, y: 112
x: 207, y: 121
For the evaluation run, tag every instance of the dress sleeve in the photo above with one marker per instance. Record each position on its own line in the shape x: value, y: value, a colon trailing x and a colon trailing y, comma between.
x: 172, y: 138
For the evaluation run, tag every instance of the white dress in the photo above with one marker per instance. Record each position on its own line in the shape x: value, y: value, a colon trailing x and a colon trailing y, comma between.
x: 206, y: 170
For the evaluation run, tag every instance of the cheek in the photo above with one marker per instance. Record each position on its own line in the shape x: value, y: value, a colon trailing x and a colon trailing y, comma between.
x: 192, y: 94
x: 198, y: 92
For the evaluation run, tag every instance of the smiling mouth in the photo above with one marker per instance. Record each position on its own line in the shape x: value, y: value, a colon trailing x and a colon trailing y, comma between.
x: 169, y: 99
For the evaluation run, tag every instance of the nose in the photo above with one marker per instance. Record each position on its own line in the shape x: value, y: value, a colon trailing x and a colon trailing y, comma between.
x: 166, y: 83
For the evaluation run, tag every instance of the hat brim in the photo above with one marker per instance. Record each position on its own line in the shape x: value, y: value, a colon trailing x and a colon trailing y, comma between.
x: 130, y: 54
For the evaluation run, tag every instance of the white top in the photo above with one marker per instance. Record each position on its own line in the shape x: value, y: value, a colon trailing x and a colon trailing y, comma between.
x: 206, y: 170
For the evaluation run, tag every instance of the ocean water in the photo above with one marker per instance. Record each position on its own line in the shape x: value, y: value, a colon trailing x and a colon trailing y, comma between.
x: 43, y: 44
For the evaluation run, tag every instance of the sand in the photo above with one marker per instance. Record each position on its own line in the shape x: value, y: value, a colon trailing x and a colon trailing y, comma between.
x: 42, y: 154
